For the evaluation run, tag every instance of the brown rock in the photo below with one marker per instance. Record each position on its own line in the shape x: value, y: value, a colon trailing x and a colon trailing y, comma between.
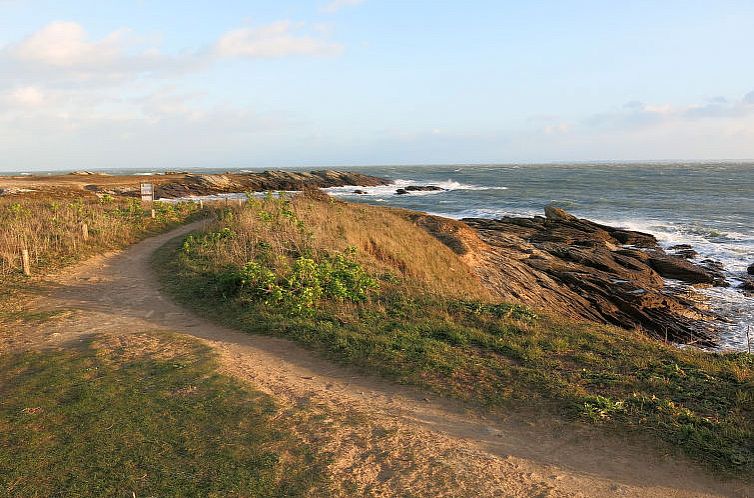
x: 557, y: 214
x: 680, y: 269
x: 582, y: 269
x: 193, y: 184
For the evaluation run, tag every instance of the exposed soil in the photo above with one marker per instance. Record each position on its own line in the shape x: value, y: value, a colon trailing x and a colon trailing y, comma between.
x: 385, y: 440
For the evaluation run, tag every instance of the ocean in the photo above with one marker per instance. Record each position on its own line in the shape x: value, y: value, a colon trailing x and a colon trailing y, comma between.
x: 707, y: 205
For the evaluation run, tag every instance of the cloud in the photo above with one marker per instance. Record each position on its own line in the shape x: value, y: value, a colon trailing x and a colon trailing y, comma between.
x: 65, y: 44
x: 62, y: 53
x: 636, y: 114
x: 336, y: 5
x: 279, y: 39
x: 27, y: 96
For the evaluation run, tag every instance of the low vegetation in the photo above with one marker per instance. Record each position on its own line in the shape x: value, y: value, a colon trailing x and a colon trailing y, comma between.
x: 52, y: 230
x: 366, y: 287
x: 143, y: 415
x: 57, y: 231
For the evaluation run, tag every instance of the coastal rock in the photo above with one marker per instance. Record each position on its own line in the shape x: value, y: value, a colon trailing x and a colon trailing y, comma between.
x: 683, y: 251
x: 418, y: 188
x: 555, y: 213
x: 680, y: 269
x: 747, y: 284
x: 360, y: 192
x: 578, y: 268
x: 750, y: 269
x: 88, y: 173
x: 194, y: 184
x: 423, y: 188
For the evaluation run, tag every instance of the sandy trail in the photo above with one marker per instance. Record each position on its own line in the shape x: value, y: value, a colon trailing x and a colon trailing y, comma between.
x: 386, y: 440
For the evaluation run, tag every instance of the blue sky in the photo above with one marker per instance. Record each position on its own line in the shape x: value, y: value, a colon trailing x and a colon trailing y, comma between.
x: 346, y: 82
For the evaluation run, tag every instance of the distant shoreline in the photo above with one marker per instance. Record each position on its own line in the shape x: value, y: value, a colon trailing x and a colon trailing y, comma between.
x: 258, y: 169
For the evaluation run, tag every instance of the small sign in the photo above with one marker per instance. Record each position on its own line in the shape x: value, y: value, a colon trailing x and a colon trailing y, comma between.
x: 147, y: 192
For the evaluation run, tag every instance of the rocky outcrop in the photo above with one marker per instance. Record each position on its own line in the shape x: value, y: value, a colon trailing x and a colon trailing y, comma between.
x: 676, y: 268
x: 683, y: 251
x: 750, y: 269
x: 578, y: 268
x: 424, y: 188
x: 418, y: 188
x: 194, y: 184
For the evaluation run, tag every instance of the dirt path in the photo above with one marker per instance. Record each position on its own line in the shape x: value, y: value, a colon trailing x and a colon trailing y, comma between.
x: 386, y: 440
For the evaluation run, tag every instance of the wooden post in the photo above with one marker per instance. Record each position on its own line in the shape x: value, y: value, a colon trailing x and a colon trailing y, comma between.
x: 25, y: 262
x: 153, y: 213
x: 201, y: 204
x: 84, y: 231
x: 240, y: 202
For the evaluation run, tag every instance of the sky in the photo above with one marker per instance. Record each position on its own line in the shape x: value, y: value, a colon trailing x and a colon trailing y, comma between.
x: 146, y: 83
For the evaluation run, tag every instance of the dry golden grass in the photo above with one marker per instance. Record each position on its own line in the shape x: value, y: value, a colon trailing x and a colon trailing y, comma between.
x: 51, y: 229
x: 386, y: 240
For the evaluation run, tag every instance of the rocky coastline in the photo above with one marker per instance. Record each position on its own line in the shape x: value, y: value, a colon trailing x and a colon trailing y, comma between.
x: 585, y: 270
x: 173, y: 185
x: 613, y: 275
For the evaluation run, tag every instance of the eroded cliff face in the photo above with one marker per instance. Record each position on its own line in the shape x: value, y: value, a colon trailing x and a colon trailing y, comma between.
x: 581, y: 269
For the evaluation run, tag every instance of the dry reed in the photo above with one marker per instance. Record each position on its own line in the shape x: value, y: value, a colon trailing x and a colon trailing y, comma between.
x: 52, y: 230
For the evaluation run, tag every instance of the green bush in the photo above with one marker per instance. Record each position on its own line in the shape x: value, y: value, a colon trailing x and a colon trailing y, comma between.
x: 337, y: 277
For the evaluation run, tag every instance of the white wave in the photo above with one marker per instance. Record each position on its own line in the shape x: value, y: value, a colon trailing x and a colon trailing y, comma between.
x: 382, y: 190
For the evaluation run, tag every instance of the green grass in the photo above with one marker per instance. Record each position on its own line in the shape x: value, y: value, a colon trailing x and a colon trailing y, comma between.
x: 142, y: 416
x: 699, y: 403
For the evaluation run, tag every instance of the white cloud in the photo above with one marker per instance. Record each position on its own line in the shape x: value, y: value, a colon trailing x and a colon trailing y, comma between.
x: 65, y: 44
x: 27, y: 96
x: 336, y: 5
x: 279, y: 39
x: 62, y: 53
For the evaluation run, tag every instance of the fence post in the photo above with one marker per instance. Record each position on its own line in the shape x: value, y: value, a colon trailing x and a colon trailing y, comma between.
x: 84, y: 231
x: 25, y: 262
x: 153, y: 213
x: 201, y: 204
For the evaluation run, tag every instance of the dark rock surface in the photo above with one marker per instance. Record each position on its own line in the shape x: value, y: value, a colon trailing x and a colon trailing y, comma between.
x: 582, y: 269
x: 747, y: 286
x: 683, y: 251
x: 193, y: 184
x: 418, y: 188
x: 750, y: 269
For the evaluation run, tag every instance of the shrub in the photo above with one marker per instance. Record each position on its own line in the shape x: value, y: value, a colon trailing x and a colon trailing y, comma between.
x: 336, y: 277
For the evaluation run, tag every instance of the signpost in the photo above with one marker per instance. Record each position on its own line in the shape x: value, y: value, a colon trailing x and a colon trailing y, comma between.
x: 147, y: 192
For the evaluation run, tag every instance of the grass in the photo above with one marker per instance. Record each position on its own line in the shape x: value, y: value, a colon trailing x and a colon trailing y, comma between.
x: 50, y: 229
x: 143, y: 415
x: 495, y: 356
